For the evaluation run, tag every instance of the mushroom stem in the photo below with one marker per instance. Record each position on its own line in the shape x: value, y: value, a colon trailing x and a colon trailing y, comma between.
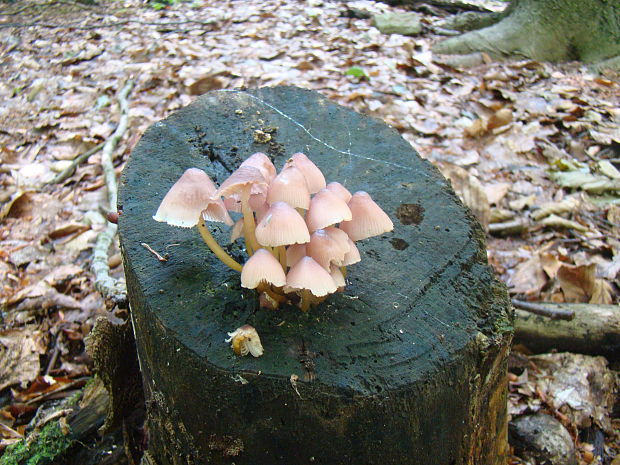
x: 306, y: 300
x: 343, y: 270
x: 265, y: 288
x: 216, y: 248
x: 282, y: 256
x: 249, y: 225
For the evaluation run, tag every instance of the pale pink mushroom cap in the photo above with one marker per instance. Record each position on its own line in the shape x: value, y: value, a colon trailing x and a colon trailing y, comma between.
x: 243, y: 179
x: 262, y: 267
x: 339, y: 236
x: 368, y: 218
x: 289, y: 186
x: 281, y: 225
x: 308, y: 274
x: 324, y: 249
x: 186, y: 199
x: 337, y: 276
x: 339, y: 190
x: 261, y: 162
x: 294, y: 253
x: 216, y: 211
x: 314, y: 176
x: 326, y: 208
x: 232, y: 205
x: 352, y: 256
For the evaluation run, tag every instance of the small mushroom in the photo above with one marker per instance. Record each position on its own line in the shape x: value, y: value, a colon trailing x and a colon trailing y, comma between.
x: 261, y: 162
x: 339, y: 190
x: 262, y: 271
x: 368, y: 218
x: 245, y: 340
x: 314, y: 176
x: 325, y: 249
x: 326, y: 209
x: 192, y: 194
x: 289, y: 186
x: 311, y: 280
x: 191, y: 200
x: 280, y: 226
x: 262, y: 267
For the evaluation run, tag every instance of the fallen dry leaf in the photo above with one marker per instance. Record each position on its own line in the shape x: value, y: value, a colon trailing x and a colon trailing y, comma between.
x: 19, y: 356
x: 529, y: 277
x: 470, y: 190
x: 580, y: 284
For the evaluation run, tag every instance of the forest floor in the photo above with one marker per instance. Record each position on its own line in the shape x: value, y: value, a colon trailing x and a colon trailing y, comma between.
x: 532, y: 148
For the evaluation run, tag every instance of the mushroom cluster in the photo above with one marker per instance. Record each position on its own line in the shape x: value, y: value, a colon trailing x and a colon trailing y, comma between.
x: 299, y: 232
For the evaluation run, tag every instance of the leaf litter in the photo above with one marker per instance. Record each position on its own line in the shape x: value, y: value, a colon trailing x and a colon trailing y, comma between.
x: 533, y: 149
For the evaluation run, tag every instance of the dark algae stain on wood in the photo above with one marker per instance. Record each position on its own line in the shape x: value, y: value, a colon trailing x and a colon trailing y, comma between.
x: 392, y: 365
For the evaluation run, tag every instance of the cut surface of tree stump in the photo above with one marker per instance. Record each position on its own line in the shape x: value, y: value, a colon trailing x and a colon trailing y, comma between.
x: 407, y: 365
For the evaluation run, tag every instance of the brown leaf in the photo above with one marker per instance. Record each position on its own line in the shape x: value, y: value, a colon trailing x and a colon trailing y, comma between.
x: 205, y: 84
x: 41, y: 385
x: 496, y: 191
x: 499, y: 118
x: 19, y: 356
x: 579, y: 284
x: 477, y: 129
x: 550, y: 264
x: 470, y: 190
x: 529, y: 277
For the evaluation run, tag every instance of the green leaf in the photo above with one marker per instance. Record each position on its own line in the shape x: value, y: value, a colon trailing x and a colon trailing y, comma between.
x: 357, y: 72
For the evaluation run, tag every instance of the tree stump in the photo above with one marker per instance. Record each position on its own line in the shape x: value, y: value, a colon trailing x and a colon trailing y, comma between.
x: 407, y: 365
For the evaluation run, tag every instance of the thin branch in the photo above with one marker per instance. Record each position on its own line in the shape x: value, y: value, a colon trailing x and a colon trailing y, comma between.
x: 109, y: 287
x: 76, y: 26
x: 544, y: 310
x: 69, y: 170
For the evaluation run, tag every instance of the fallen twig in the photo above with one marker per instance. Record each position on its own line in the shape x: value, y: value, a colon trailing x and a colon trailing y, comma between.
x: 76, y: 25
x: 553, y: 312
x: 150, y: 249
x: 109, y: 287
x: 69, y: 170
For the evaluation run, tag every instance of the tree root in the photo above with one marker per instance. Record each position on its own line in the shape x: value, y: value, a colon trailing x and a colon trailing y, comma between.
x: 546, y: 30
x: 106, y: 285
x: 612, y: 64
x: 471, y: 21
x: 69, y: 170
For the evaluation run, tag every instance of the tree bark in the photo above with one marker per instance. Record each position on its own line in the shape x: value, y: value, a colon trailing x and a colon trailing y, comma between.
x: 547, y: 30
x: 407, y: 366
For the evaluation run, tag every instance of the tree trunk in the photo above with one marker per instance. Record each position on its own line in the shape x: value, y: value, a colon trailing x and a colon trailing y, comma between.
x: 547, y: 30
x: 407, y: 366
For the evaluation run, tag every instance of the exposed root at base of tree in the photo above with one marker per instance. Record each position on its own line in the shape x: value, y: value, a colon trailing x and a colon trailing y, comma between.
x: 545, y: 30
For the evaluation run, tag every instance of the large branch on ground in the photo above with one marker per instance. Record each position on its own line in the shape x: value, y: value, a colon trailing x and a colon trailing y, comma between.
x: 595, y: 329
x: 109, y: 287
x: 547, y: 30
